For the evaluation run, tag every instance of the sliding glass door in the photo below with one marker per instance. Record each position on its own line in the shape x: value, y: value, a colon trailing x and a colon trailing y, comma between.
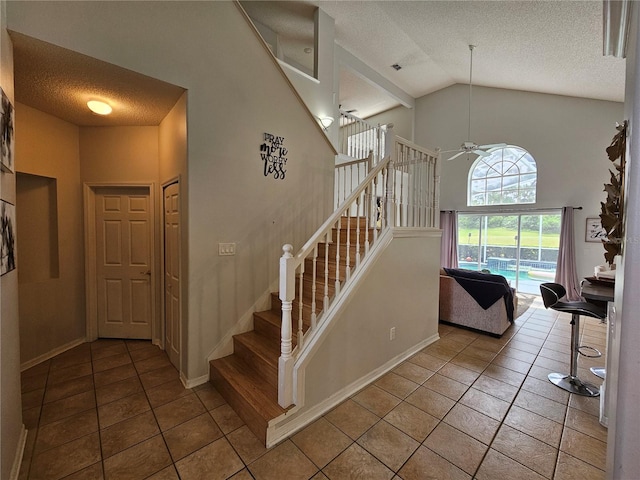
x: 523, y: 247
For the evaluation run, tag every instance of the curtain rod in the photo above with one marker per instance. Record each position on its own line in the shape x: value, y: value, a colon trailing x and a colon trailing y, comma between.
x: 511, y: 210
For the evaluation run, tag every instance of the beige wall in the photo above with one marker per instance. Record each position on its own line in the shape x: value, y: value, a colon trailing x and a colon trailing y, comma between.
x: 235, y: 95
x: 52, y: 311
x: 567, y: 137
x: 10, y: 408
x: 402, y: 119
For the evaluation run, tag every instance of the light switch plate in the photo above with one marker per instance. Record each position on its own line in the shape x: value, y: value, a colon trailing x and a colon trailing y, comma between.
x: 225, y: 249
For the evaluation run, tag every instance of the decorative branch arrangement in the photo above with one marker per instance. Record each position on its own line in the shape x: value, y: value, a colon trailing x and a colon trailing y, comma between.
x: 612, y: 211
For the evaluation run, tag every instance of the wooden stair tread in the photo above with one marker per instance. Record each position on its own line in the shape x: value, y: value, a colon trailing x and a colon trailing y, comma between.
x: 251, y: 387
x: 261, y: 346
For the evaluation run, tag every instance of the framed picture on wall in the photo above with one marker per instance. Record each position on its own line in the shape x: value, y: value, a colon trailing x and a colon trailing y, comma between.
x: 8, y: 238
x: 594, y: 231
x: 6, y: 134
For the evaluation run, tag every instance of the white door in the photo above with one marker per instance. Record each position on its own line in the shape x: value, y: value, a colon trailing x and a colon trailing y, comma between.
x: 123, y: 261
x: 172, y: 272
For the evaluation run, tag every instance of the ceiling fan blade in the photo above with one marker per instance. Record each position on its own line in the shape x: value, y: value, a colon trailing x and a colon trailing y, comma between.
x: 493, y: 145
x: 456, y: 156
x: 481, y: 153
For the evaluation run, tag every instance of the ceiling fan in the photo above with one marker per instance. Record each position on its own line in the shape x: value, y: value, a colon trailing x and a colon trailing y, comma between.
x: 470, y: 146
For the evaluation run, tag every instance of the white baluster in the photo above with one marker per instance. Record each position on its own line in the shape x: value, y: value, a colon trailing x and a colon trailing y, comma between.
x: 300, y: 304
x: 313, y: 289
x: 338, y: 256
x: 347, y: 268
x: 326, y: 273
x: 358, y: 231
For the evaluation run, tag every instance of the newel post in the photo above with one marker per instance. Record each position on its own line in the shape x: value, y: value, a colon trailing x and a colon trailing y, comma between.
x: 287, y: 294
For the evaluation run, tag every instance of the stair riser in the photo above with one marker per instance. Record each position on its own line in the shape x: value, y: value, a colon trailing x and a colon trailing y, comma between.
x: 267, y: 370
x: 333, y: 247
x: 353, y: 221
x: 254, y: 421
x: 353, y: 236
x: 266, y: 328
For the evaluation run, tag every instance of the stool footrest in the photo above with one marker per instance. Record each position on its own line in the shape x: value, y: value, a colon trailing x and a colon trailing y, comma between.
x: 574, y: 385
x: 597, y: 353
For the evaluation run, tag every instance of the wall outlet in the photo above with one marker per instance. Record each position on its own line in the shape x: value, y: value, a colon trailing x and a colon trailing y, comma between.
x: 392, y: 333
x: 225, y: 249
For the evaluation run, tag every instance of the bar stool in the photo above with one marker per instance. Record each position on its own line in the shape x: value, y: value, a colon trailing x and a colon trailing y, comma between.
x: 551, y: 295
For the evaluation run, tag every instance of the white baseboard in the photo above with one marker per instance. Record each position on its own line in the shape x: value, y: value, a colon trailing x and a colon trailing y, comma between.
x: 46, y: 356
x: 17, y: 460
x: 281, y: 428
x: 193, y: 382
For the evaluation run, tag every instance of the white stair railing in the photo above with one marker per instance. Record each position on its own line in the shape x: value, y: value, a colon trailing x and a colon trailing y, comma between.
x: 401, y: 190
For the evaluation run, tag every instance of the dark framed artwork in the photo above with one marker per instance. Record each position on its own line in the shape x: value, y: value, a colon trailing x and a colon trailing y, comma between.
x: 8, y: 237
x: 6, y: 134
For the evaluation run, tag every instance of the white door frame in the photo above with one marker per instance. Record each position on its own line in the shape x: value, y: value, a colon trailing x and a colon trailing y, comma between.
x: 89, y: 194
x: 163, y: 327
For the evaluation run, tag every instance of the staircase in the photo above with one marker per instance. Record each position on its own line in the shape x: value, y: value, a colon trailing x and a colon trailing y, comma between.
x: 248, y: 379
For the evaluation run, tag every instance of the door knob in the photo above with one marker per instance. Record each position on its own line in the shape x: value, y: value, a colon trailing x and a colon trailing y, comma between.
x: 148, y: 272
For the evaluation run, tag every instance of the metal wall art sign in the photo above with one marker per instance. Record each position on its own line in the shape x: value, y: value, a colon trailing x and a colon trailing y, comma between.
x: 274, y: 156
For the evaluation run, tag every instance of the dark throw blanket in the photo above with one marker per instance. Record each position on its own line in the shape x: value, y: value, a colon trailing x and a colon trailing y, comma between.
x: 485, y: 288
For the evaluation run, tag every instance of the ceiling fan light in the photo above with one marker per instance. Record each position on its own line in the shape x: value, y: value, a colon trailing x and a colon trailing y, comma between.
x: 99, y: 108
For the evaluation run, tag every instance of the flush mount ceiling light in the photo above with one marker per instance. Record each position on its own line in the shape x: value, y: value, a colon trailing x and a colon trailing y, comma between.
x: 326, y: 122
x: 98, y: 107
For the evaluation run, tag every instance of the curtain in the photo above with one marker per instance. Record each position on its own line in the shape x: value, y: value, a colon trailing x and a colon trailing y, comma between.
x: 566, y: 267
x: 449, y: 245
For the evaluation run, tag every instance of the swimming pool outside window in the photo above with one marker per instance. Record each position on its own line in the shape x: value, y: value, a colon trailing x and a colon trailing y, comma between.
x: 508, y: 176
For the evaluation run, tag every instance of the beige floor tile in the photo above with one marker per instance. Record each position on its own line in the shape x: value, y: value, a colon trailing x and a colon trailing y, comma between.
x: 427, y: 361
x: 498, y: 466
x: 590, y: 405
x: 112, y: 361
x: 446, y: 386
x: 570, y: 468
x: 442, y: 351
x: 563, y: 357
x: 122, y: 409
x: 191, y: 435
x: 68, y: 388
x: 505, y: 375
x: 489, y: 343
x: 209, y: 396
x: 534, y: 425
x: 159, y: 376
x: 552, y: 365
x: 511, y: 364
x: 584, y: 447
x: 352, y: 418
x: 472, y: 422
x: 166, y: 392
x: 496, y: 388
x: 546, y: 389
x: 539, y: 373
x: 145, y: 351
x: 69, y: 373
x: 36, y: 371
x: 105, y: 343
x: 459, y: 374
x: 71, y: 357
x: 226, y: 418
x: 412, y: 421
x: 32, y: 399
x: 92, y: 472
x: 521, y: 337
x: 485, y: 403
x: 532, y: 453
x: 179, y: 411
x: 413, y: 372
x: 469, y: 362
x: 117, y: 390
x: 116, y: 349
x: 355, y: 463
x: 245, y: 475
x: 125, y: 434
x: 479, y: 353
x: 33, y: 382
x: 376, y: 400
x: 541, y: 405
x: 114, y: 375
x: 139, y: 461
x: 135, y: 344
x: 586, y: 423
x: 388, y: 444
x: 431, y: 402
x: 66, y: 430
x: 523, y: 346
x: 396, y: 385
x: 246, y: 444
x: 67, y: 407
x: 427, y: 465
x: 284, y: 461
x: 152, y: 363
x: 168, y: 473
x: 66, y: 459
x: 466, y: 455
x: 321, y: 442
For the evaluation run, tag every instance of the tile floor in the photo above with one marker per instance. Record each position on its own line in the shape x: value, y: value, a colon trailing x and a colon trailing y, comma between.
x: 468, y: 406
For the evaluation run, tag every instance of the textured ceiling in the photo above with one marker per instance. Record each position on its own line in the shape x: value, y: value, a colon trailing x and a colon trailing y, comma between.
x: 60, y: 82
x: 540, y: 46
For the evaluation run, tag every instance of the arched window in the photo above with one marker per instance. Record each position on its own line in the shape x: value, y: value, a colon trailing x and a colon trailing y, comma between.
x: 507, y: 176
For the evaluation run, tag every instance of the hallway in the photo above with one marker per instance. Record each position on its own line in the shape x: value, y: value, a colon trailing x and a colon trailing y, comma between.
x: 467, y: 406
